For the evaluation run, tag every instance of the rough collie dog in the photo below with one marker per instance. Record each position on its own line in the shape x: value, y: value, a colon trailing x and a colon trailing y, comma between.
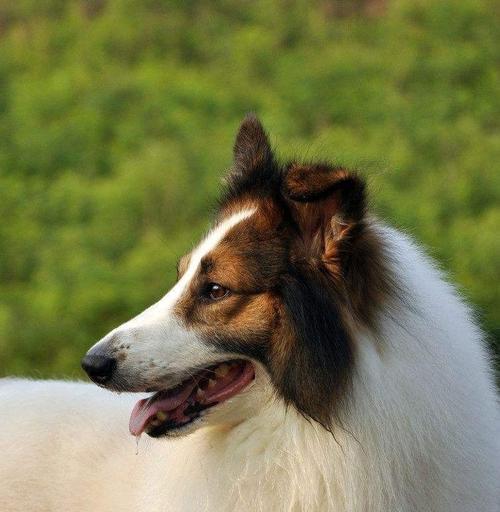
x: 309, y: 358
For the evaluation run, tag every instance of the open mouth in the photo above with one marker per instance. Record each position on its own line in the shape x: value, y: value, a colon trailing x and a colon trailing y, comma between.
x: 174, y: 408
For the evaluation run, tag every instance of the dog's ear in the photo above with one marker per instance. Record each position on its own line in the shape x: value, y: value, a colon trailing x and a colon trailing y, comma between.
x: 253, y: 167
x: 252, y: 151
x: 328, y: 205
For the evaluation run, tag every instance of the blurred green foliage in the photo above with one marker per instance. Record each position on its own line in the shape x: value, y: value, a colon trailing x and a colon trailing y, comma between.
x: 117, y: 120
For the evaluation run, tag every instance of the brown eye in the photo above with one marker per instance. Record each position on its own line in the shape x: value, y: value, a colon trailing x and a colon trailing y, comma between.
x: 215, y: 291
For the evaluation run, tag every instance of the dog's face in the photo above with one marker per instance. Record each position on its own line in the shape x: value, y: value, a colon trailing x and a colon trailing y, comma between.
x: 263, y: 307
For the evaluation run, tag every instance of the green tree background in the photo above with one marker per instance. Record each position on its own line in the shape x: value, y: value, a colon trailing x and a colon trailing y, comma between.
x: 117, y: 119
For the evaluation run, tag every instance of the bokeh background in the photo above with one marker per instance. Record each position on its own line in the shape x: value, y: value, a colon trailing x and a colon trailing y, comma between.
x: 117, y: 120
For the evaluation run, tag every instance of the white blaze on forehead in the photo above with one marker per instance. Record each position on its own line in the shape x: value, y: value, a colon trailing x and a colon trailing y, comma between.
x: 207, y: 245
x: 163, y: 307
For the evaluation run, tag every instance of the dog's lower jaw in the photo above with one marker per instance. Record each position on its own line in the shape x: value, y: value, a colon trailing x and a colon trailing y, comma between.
x: 170, y: 431
x: 249, y: 409
x: 178, y: 410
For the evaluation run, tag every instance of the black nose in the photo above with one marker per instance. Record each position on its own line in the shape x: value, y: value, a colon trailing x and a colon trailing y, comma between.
x: 99, y: 368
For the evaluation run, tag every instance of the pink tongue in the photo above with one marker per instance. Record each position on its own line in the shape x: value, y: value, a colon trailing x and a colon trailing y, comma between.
x: 147, y: 408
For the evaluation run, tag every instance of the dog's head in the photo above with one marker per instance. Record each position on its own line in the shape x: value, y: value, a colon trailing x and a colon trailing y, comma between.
x: 265, y: 306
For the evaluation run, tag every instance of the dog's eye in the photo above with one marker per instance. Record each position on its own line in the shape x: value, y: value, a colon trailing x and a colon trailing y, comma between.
x: 214, y: 291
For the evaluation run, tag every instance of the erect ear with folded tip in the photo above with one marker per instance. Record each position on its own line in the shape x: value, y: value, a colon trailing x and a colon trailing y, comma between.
x: 328, y: 205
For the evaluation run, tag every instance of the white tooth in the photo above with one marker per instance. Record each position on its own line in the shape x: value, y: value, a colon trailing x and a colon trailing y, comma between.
x: 155, y: 423
x: 211, y: 383
x: 200, y: 394
x: 222, y: 370
x: 161, y: 416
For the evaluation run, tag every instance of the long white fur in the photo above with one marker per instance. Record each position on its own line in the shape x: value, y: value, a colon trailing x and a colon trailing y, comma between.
x: 421, y: 435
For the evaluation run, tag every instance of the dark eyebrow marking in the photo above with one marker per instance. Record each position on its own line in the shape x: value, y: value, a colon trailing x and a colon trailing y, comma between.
x: 206, y: 264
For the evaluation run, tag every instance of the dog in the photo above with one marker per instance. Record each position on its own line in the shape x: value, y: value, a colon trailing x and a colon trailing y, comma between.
x: 308, y: 358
